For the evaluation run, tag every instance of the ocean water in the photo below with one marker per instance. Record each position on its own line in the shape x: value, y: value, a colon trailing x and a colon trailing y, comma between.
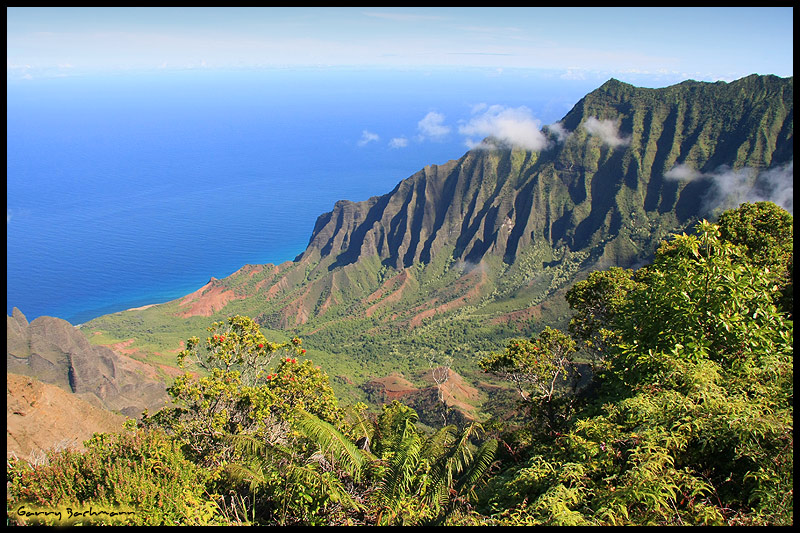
x: 135, y: 189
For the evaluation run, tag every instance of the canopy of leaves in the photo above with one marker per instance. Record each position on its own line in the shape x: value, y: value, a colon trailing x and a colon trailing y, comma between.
x: 694, y: 420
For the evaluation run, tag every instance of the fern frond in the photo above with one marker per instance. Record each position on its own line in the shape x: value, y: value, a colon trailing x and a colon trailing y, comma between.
x: 402, y: 468
x: 239, y: 473
x: 481, y: 462
x: 360, y: 425
x: 333, y: 444
x: 247, y: 444
x: 438, y: 443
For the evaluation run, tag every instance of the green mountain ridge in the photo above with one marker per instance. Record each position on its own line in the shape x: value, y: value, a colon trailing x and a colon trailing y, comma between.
x: 459, y: 257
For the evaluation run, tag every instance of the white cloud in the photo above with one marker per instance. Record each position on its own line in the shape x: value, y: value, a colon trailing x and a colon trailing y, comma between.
x: 682, y: 172
x: 607, y: 130
x: 398, y: 142
x: 559, y: 131
x: 731, y: 187
x: 776, y: 185
x: 432, y: 126
x: 510, y: 126
x: 368, y: 137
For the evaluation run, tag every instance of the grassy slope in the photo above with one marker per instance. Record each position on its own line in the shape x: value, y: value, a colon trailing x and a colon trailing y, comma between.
x: 400, y: 295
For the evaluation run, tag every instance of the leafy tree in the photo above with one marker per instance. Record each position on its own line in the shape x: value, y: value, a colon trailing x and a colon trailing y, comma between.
x: 253, y: 424
x: 694, y: 421
x: 540, y: 369
x: 237, y: 393
x: 699, y: 292
x: 763, y: 228
x: 767, y: 234
x: 597, y: 303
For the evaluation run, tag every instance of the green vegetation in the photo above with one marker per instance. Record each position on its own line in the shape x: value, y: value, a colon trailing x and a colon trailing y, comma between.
x: 462, y: 256
x: 690, y: 418
x: 142, y: 476
x: 679, y: 411
x: 259, y: 438
x: 669, y: 402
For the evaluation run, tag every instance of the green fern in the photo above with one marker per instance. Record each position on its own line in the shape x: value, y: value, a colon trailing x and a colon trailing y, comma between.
x: 334, y: 444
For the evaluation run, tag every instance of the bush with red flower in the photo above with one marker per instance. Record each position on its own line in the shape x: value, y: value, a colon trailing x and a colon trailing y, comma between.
x: 242, y: 384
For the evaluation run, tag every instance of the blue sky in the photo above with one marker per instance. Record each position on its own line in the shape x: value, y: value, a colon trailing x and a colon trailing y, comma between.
x: 719, y: 43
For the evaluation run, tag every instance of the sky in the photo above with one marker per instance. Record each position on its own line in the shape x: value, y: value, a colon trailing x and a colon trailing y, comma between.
x: 701, y: 43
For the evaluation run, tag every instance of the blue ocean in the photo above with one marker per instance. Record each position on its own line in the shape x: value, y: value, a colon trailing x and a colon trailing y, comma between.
x: 135, y: 189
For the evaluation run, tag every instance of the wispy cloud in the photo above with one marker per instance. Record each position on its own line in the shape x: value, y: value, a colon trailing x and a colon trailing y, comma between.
x: 776, y: 185
x: 559, y: 131
x: 606, y: 130
x: 398, y: 142
x: 731, y: 187
x: 682, y: 172
x: 368, y: 137
x: 432, y: 127
x: 507, y: 125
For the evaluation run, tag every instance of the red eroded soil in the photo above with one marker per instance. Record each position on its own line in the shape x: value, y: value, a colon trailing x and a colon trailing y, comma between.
x: 40, y: 416
x: 206, y: 300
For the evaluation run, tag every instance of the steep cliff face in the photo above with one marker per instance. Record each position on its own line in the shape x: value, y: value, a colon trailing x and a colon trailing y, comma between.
x: 607, y: 168
x: 51, y: 350
x: 462, y: 255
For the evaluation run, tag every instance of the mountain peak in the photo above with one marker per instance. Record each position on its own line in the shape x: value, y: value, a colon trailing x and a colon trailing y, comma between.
x: 613, y: 83
x: 500, y: 201
x: 483, y: 246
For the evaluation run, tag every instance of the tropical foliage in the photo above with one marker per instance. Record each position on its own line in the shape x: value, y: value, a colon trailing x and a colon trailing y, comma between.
x: 692, y: 420
x: 671, y: 403
x: 136, y: 478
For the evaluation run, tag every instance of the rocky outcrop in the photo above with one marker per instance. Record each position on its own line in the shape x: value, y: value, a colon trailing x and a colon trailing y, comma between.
x: 42, y: 417
x: 53, y: 351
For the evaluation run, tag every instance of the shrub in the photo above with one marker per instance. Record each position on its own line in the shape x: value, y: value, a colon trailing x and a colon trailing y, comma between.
x: 136, y: 478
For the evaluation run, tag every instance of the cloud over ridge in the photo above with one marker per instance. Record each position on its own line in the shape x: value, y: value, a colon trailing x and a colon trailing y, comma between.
x: 508, y: 125
x: 606, y: 130
x: 732, y: 187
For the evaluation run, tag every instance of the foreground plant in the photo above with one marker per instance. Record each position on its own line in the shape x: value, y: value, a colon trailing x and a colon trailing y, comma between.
x: 236, y: 391
x: 140, y: 477
x: 694, y: 420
